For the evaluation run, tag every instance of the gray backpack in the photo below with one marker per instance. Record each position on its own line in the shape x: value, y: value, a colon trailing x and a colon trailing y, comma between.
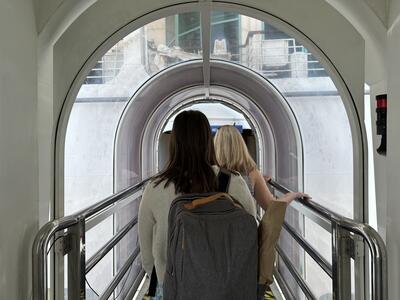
x: 212, y: 248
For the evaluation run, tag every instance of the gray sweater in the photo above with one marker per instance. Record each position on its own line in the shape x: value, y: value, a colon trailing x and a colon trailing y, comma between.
x: 153, y: 220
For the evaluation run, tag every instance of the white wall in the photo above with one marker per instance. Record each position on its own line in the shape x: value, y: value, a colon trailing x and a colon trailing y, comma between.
x: 366, y: 16
x: 393, y: 151
x: 380, y: 163
x: 18, y: 147
x: 44, y: 10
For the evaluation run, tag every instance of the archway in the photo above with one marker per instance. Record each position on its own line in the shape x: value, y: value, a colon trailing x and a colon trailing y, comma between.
x: 210, y: 77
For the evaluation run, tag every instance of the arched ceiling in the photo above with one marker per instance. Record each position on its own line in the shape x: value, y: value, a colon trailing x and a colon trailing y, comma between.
x: 147, y: 109
x: 380, y: 8
x: 369, y: 17
x: 46, y: 9
x: 105, y: 22
x: 48, y: 13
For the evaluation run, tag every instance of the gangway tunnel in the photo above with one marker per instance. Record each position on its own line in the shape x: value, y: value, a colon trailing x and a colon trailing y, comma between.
x: 240, y: 67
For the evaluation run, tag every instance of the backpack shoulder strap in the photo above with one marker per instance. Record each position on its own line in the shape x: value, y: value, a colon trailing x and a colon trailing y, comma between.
x: 224, y: 178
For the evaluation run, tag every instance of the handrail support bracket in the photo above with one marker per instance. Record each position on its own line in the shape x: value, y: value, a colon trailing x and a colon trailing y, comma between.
x: 63, y: 246
x: 354, y: 245
x: 76, y: 262
x: 342, y: 248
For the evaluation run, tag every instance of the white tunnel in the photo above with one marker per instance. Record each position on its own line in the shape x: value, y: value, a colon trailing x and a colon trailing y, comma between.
x: 89, y: 89
x: 301, y: 115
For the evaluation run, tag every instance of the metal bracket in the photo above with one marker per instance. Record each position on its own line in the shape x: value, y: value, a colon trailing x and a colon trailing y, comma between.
x: 64, y: 244
x: 354, y: 246
x: 348, y: 245
x: 358, y: 246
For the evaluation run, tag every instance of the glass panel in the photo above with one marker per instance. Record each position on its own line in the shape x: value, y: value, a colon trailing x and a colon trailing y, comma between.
x: 89, y: 153
x: 292, y: 250
x: 321, y: 116
x: 99, y: 277
x: 316, y: 278
x: 261, y: 47
x: 89, y: 174
x: 93, y: 121
x: 218, y: 114
x: 316, y: 103
x: 188, y: 32
x: 319, y: 238
x: 225, y: 35
x: 128, y: 244
x: 98, y: 236
x: 141, y: 54
x: 290, y: 281
x: 101, y: 100
x: 328, y: 150
x: 318, y: 281
x: 101, y: 274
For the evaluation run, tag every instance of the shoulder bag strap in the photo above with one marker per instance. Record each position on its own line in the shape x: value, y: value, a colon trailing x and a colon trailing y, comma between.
x: 224, y: 178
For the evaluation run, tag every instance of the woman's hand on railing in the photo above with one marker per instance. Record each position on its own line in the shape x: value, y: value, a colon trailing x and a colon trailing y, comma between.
x: 267, y: 178
x: 289, y: 197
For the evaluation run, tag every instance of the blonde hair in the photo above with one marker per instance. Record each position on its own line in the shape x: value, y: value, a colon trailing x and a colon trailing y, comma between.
x: 231, y: 150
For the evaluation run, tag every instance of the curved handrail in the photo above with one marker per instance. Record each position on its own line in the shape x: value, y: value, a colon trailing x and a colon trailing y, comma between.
x: 103, y: 251
x: 374, y: 240
x: 378, y: 255
x: 48, y: 230
x: 39, y: 254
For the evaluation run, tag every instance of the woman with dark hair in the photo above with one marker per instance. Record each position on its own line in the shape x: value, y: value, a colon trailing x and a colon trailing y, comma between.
x: 192, y: 168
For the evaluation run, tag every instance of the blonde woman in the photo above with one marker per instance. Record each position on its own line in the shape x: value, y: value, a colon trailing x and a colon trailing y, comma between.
x: 232, y: 154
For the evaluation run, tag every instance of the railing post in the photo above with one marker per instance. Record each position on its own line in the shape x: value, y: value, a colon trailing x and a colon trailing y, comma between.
x: 39, y: 270
x: 76, y: 261
x: 341, y: 263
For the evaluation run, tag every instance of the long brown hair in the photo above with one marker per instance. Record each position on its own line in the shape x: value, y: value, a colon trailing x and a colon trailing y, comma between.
x: 191, y: 155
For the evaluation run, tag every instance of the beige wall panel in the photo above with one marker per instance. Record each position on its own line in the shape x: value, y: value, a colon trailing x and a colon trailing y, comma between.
x: 18, y: 147
x: 393, y: 155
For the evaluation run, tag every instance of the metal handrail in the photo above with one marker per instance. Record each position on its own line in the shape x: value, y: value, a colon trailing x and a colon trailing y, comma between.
x: 121, y: 273
x: 304, y: 287
x: 379, y: 283
x: 49, y: 230
x: 135, y: 286
x: 315, y: 207
x: 318, y: 258
x: 94, y: 260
